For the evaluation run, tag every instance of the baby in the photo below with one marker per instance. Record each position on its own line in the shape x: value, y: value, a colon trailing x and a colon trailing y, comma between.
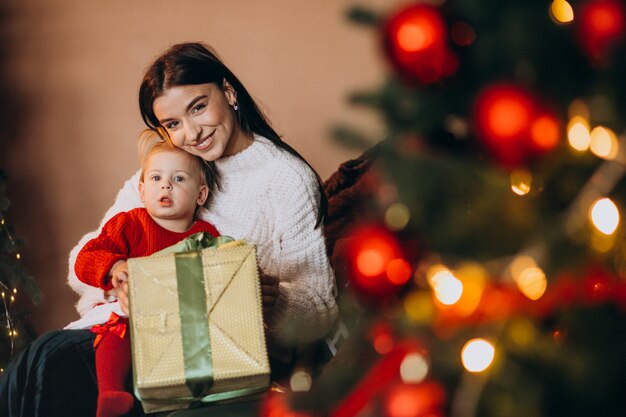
x: 173, y: 186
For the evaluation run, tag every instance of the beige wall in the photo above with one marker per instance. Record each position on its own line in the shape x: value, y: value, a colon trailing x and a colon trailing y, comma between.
x: 71, y: 70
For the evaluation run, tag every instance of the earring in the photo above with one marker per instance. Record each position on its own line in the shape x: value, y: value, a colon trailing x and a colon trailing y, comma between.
x: 235, y: 106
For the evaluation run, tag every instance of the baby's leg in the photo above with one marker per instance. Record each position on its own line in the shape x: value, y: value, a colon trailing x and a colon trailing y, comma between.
x: 112, y: 365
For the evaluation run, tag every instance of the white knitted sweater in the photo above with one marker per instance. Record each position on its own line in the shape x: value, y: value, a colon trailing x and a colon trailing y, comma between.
x: 269, y: 198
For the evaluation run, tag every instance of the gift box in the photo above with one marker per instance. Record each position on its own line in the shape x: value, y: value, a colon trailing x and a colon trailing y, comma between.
x: 196, y: 326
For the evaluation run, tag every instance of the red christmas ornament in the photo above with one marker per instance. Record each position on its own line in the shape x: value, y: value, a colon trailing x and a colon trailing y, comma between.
x: 601, y: 25
x: 376, y: 266
x: 512, y: 125
x: 416, y: 41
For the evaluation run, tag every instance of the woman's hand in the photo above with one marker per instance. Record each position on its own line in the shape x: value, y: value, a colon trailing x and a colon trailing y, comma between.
x: 269, y: 292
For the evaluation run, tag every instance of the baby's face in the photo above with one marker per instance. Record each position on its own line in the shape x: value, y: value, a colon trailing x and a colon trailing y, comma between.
x: 171, y: 187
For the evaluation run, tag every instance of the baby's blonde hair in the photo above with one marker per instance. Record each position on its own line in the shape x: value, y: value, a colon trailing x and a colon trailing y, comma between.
x: 150, y: 142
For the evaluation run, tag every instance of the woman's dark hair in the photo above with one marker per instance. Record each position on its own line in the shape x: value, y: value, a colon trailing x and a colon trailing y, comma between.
x: 196, y: 63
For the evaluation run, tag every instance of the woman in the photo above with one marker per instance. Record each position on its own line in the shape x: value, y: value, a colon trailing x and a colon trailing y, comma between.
x: 266, y: 193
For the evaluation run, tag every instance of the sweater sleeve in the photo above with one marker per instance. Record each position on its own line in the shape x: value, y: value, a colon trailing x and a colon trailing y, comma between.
x: 306, y: 289
x: 97, y: 257
x: 127, y: 199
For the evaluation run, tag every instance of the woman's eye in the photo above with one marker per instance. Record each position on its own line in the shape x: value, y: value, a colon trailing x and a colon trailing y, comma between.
x: 171, y: 125
x: 198, y: 108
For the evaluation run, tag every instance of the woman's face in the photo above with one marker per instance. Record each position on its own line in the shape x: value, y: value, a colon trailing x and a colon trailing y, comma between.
x: 199, y: 119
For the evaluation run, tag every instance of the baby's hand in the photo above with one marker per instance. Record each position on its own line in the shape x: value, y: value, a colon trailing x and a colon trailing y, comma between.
x: 119, y: 274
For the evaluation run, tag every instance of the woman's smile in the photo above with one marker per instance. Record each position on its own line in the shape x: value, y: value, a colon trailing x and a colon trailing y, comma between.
x: 205, y: 143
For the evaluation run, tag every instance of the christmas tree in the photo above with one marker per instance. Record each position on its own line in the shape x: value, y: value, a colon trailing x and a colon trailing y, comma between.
x: 14, y: 282
x: 484, y: 273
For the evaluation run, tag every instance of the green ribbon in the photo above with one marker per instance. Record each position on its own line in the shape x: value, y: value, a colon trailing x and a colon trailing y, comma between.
x: 192, y: 306
x: 194, y: 323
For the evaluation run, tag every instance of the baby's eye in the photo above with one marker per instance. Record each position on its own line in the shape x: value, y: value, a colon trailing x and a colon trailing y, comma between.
x: 179, y: 178
x: 155, y: 177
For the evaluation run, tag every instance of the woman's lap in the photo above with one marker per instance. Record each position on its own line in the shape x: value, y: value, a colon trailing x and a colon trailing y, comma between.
x: 54, y: 376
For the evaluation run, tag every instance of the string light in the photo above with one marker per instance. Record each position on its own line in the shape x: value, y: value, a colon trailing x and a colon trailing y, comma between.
x: 545, y: 132
x: 603, y: 143
x: 474, y: 278
x: 521, y: 181
x: 12, y: 332
x: 561, y: 11
x: 397, y: 216
x: 477, y: 355
x: 300, y: 381
x: 414, y: 368
x: 604, y: 215
x: 447, y: 288
x: 532, y: 282
x: 398, y: 271
x: 529, y: 278
x: 578, y: 135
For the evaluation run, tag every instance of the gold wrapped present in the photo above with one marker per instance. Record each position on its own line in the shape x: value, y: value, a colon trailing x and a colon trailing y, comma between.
x: 196, y: 326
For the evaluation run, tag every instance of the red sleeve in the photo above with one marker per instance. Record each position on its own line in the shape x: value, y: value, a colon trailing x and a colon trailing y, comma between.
x: 95, y: 260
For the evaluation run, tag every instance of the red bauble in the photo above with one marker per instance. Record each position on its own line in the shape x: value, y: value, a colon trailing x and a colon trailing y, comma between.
x: 513, y: 126
x: 416, y: 41
x: 601, y: 25
x: 376, y: 265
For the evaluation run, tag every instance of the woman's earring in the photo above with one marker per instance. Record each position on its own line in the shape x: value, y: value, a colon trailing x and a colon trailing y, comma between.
x: 236, y: 106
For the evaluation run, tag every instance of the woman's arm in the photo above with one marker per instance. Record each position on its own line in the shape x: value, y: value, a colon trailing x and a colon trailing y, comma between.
x: 127, y: 199
x: 307, y: 284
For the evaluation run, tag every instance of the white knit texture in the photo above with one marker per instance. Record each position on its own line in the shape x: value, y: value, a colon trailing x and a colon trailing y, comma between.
x: 269, y: 198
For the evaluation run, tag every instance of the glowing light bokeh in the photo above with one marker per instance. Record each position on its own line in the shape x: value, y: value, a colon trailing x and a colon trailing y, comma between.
x: 300, y: 381
x: 477, y: 355
x: 521, y: 181
x: 416, y: 34
x: 545, y: 132
x: 398, y: 271
x: 397, y: 216
x: 370, y: 262
x: 562, y: 11
x: 603, y: 143
x: 447, y: 288
x: 578, y: 135
x: 604, y: 215
x: 532, y: 282
x: 414, y: 368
